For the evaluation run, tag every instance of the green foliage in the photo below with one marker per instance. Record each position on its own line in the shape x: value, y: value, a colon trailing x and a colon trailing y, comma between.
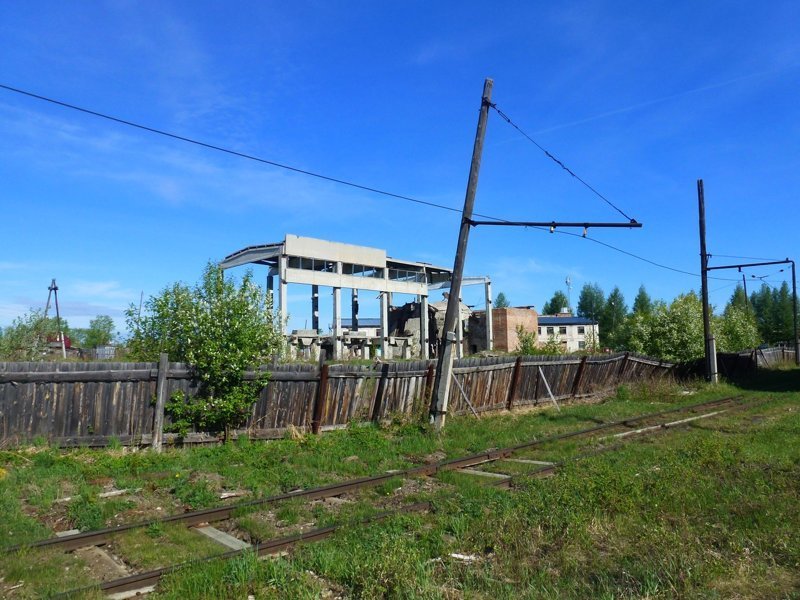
x: 774, y: 313
x: 737, y: 329
x: 642, y: 304
x: 591, y: 302
x: 551, y: 347
x: 673, y: 332
x: 501, y: 301
x: 26, y: 338
x: 100, y: 332
x: 556, y: 303
x: 526, y: 342
x: 612, y: 319
x: 194, y: 494
x: 220, y: 330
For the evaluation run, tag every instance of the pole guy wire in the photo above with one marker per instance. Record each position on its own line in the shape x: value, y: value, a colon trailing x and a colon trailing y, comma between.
x: 549, y: 155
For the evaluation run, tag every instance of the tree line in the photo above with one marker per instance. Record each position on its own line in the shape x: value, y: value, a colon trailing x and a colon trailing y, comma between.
x: 674, y: 330
x: 29, y: 336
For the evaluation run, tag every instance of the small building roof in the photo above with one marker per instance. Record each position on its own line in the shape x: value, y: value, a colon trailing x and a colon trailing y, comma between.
x: 555, y: 320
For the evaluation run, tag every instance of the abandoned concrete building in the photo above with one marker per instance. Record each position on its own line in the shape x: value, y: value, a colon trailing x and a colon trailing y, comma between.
x: 570, y: 333
x: 406, y: 331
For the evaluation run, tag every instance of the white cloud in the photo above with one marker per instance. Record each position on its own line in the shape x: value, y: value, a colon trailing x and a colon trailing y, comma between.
x: 109, y: 290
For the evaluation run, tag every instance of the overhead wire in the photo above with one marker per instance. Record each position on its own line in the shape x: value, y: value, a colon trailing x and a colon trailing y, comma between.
x: 549, y: 155
x: 352, y: 184
x: 227, y: 150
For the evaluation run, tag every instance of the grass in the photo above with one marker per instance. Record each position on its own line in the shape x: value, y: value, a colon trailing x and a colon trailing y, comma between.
x: 705, y: 511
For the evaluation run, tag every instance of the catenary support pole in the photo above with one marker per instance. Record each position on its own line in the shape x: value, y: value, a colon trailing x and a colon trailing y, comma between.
x: 710, y: 376
x: 744, y: 285
x: 444, y: 366
x: 794, y: 316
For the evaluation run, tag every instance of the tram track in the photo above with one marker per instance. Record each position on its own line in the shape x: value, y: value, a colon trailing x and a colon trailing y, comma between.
x: 635, y: 426
x: 221, y: 513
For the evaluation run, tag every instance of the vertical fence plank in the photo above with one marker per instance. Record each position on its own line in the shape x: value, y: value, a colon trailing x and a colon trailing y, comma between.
x: 515, y: 379
x: 322, y: 396
x: 578, y: 377
x: 161, y: 400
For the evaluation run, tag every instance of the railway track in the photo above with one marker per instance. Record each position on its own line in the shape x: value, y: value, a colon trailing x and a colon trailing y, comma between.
x: 615, y: 432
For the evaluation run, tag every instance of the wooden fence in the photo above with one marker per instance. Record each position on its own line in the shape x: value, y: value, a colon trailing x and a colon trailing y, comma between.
x: 91, y: 403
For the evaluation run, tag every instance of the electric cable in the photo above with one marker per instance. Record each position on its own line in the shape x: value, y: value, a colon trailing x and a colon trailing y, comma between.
x: 227, y: 150
x: 547, y: 153
x: 352, y: 184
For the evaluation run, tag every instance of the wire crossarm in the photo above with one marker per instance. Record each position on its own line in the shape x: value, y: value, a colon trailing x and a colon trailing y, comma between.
x: 554, y: 224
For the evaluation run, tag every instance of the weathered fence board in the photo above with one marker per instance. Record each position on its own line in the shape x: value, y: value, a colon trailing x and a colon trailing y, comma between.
x: 69, y: 402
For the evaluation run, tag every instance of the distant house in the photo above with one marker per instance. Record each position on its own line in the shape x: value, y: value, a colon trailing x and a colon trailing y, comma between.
x: 572, y: 333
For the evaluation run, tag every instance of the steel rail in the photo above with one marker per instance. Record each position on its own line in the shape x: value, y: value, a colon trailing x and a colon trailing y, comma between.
x: 146, y: 579
x: 221, y: 513
x: 274, y: 546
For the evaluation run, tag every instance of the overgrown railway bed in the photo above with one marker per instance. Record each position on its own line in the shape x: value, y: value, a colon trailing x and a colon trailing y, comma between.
x: 603, y: 436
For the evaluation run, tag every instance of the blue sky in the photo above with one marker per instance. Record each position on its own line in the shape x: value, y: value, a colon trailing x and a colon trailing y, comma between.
x: 640, y: 99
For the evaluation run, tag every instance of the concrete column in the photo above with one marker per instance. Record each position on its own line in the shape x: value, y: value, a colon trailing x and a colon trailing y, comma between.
x: 423, y: 327
x: 489, y: 325
x: 712, y: 342
x: 282, y: 307
x: 315, y: 307
x: 270, y: 287
x: 354, y: 323
x: 384, y: 324
x: 459, y: 333
x: 337, y: 323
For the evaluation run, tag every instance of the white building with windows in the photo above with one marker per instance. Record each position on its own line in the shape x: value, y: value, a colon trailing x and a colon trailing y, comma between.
x: 574, y: 334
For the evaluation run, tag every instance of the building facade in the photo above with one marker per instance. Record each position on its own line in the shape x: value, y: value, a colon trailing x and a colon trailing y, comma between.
x: 572, y: 334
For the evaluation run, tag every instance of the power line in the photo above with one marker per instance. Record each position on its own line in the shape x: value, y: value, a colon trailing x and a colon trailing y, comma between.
x: 547, y: 153
x: 227, y: 150
x: 722, y: 287
x: 350, y: 183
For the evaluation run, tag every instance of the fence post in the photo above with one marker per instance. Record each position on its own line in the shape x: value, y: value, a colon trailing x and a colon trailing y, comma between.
x: 322, y: 395
x: 622, y: 366
x: 429, y: 383
x: 380, y: 392
x: 515, y: 376
x: 579, y: 377
x: 161, y: 400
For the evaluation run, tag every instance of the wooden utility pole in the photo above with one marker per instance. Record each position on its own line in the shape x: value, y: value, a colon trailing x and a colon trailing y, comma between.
x: 710, y: 375
x: 444, y: 365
